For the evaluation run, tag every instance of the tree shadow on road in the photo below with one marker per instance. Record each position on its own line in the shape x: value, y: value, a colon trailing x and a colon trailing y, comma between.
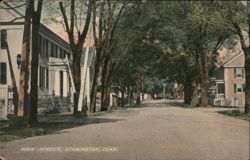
x: 18, y: 128
x: 162, y: 104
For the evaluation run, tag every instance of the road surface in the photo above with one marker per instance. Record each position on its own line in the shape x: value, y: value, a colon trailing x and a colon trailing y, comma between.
x: 153, y: 131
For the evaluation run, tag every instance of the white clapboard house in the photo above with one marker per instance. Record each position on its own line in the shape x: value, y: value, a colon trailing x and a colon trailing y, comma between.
x: 229, y: 81
x: 54, y: 65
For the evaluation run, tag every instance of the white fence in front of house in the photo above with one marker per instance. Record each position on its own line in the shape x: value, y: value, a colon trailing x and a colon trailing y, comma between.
x: 3, y: 102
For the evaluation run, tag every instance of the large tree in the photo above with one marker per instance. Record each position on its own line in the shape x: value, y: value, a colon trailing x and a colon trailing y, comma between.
x: 236, y: 18
x: 76, y: 34
x: 36, y: 17
x: 25, y: 61
x: 104, y: 32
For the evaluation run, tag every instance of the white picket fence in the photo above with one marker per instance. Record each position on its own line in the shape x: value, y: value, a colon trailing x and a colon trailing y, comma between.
x: 3, y: 102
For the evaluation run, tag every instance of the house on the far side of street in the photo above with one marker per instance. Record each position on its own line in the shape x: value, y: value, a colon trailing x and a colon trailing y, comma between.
x: 230, y: 82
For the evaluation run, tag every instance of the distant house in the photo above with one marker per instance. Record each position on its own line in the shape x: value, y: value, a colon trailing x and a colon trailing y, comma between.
x: 53, y: 72
x: 229, y: 83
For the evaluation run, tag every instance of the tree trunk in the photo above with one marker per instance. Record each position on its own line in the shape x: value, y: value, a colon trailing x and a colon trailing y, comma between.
x: 36, y: 15
x: 24, y: 69
x: 246, y: 51
x: 247, y: 65
x: 131, y: 97
x: 104, y: 85
x: 70, y: 26
x: 95, y: 80
x: 77, y: 79
x: 247, y: 89
x: 138, y: 98
x: 109, y: 84
x: 187, y: 93
x: 123, y: 97
x: 204, y: 78
x: 108, y: 95
x: 106, y: 76
x: 34, y: 73
x: 128, y: 91
x: 142, y: 87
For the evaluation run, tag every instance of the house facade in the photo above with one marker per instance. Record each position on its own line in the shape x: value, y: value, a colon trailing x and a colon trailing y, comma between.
x: 229, y: 83
x: 54, y: 63
x: 87, y: 68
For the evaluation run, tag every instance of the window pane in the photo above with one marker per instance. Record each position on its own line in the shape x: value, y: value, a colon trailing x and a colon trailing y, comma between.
x: 3, y: 73
x: 3, y: 39
x: 40, y: 44
x: 42, y: 50
x: 238, y: 87
x: 47, y: 48
x: 238, y: 72
x: 219, y: 74
x: 40, y: 77
x: 52, y: 50
x: 44, y: 46
x: 221, y: 88
x: 65, y: 53
x: 243, y: 73
x: 47, y: 78
x: 56, y: 51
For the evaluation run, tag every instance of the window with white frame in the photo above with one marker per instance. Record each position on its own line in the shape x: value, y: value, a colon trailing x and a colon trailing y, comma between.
x: 239, y: 72
x: 239, y: 88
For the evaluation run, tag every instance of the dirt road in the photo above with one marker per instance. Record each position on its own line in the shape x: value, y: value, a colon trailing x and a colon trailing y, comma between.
x: 154, y: 131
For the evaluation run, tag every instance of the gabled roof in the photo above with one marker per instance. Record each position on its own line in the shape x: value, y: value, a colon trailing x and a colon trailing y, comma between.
x: 236, y: 61
x: 50, y: 34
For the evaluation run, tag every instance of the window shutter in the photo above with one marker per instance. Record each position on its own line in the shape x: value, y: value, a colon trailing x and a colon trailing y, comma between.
x: 47, y: 48
x: 243, y: 73
x: 52, y: 49
x: 56, y: 51
x: 40, y: 76
x: 47, y: 78
x: 3, y: 39
x: 235, y: 72
x: 3, y: 73
x: 235, y: 88
x: 40, y: 44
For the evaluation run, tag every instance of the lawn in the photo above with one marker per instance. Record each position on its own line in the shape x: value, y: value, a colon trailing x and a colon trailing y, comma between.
x: 236, y: 114
x: 18, y: 128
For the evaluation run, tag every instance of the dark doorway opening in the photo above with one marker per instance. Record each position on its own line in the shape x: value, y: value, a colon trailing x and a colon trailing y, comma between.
x: 61, y: 83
